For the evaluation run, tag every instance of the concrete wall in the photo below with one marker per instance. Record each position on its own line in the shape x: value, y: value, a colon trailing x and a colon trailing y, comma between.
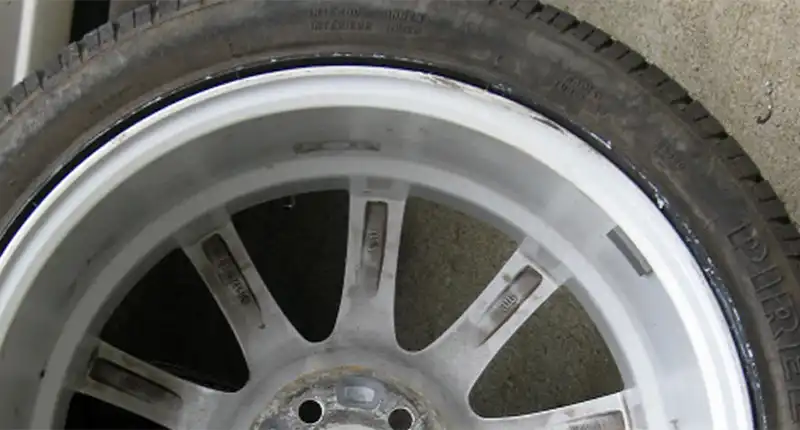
x: 740, y: 58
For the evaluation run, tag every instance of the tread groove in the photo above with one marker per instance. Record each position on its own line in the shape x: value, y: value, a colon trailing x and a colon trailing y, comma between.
x: 115, y: 28
x: 681, y: 102
x: 534, y: 11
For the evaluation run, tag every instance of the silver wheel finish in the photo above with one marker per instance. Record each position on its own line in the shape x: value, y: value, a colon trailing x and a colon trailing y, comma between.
x: 174, y: 179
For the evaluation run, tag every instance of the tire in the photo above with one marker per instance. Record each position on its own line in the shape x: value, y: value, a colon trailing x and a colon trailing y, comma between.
x: 534, y: 54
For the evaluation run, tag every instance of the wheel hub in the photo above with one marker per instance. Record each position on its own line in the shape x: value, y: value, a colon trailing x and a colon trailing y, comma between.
x: 347, y: 398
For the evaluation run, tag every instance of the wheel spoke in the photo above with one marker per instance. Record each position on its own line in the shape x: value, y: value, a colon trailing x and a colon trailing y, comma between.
x: 256, y: 319
x: 120, y: 379
x: 514, y: 294
x: 606, y: 413
x: 376, y: 219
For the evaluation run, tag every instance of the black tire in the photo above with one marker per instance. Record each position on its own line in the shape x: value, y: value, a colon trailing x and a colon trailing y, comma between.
x: 727, y: 213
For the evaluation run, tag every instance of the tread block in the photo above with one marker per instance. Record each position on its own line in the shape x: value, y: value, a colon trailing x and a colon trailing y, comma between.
x: 548, y: 14
x: 671, y: 91
x: 763, y: 191
x: 32, y: 82
x: 696, y: 111
x: 729, y: 148
x: 710, y: 127
x: 5, y: 106
x: 744, y: 168
x: 50, y: 73
x: 582, y: 30
x: 528, y: 7
x: 188, y: 3
x: 791, y: 248
x: 773, y: 209
x: 106, y: 33
x: 511, y: 4
x: 632, y: 61
x: 69, y: 57
x: 653, y: 76
x: 125, y: 23
x: 564, y: 21
x: 4, y: 113
x: 785, y: 231
x: 164, y: 8
x: 90, y: 43
x: 615, y: 51
x: 598, y: 39
x: 15, y: 97
x: 142, y: 16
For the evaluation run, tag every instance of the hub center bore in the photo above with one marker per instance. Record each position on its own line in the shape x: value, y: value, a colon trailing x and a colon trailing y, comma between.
x: 346, y: 399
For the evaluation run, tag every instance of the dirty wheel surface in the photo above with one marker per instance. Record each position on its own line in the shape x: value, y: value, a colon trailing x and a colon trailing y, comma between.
x: 219, y: 215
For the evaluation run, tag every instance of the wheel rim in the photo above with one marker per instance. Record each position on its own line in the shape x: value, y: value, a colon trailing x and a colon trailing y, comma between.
x: 382, y: 134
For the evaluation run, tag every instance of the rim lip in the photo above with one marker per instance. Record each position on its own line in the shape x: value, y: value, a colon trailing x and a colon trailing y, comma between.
x: 684, y: 260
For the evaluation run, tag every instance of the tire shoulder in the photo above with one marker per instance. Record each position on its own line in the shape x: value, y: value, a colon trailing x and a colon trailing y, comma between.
x: 690, y: 111
x: 76, y: 54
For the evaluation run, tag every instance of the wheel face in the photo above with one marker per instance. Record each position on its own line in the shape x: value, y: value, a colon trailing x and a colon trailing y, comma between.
x: 580, y: 224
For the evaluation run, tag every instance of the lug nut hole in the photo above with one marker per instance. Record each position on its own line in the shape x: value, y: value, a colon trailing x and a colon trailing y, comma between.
x: 401, y: 419
x: 310, y: 411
